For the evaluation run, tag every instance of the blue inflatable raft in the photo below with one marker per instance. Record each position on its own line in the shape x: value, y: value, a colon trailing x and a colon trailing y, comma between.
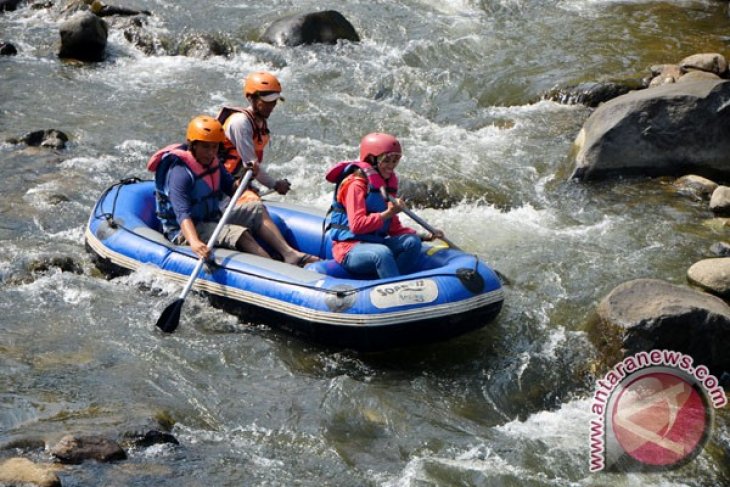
x: 452, y: 293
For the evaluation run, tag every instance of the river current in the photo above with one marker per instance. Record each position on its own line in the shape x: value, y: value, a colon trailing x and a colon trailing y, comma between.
x: 460, y: 83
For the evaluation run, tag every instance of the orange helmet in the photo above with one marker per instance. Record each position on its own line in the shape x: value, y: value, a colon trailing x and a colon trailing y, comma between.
x: 205, y: 129
x: 377, y: 144
x: 262, y: 82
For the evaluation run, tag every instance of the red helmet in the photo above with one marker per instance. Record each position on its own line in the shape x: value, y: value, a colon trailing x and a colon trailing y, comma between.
x: 376, y: 144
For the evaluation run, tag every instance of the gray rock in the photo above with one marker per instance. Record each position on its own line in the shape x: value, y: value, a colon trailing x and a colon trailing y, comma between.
x: 23, y: 443
x: 647, y: 314
x: 425, y: 194
x: 103, y: 10
x: 76, y: 449
x: 21, y: 471
x: 591, y: 94
x: 720, y: 249
x: 65, y: 264
x: 7, y: 49
x: 136, y: 32
x: 712, y: 275
x: 319, y: 27
x: 148, y: 438
x: 50, y: 138
x: 711, y: 62
x: 83, y: 37
x: 664, y: 74
x: 672, y: 130
x: 695, y: 186
x: 205, y: 46
x: 720, y: 200
x: 697, y: 75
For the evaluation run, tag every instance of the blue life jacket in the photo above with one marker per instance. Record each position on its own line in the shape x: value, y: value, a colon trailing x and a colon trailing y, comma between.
x: 206, y: 194
x: 338, y: 225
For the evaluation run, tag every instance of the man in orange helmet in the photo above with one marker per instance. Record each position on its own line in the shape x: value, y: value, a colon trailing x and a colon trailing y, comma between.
x: 190, y: 182
x: 247, y: 131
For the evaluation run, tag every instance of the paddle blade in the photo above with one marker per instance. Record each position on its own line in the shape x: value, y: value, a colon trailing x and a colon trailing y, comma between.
x: 170, y: 318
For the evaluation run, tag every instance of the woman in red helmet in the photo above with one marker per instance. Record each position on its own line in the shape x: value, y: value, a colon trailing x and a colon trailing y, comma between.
x: 247, y: 131
x: 367, y: 236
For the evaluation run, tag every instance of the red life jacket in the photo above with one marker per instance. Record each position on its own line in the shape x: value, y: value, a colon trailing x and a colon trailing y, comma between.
x: 338, y: 224
x: 206, y: 194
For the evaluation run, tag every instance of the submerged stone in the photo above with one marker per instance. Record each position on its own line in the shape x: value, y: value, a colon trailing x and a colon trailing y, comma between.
x: 76, y: 449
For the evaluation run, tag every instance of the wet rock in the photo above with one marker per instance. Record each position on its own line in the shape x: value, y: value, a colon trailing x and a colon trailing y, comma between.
x: 647, y: 314
x: 325, y: 27
x: 21, y: 471
x: 697, y: 75
x: 83, y: 37
x: 57, y: 199
x: 7, y: 49
x: 425, y: 194
x: 51, y: 138
x: 9, y: 5
x: 103, y: 10
x: 590, y: 94
x: 669, y: 130
x: 720, y: 201
x: 696, y: 187
x: 146, y: 439
x: 136, y: 33
x: 24, y: 443
x: 712, y: 275
x: 204, y: 46
x: 709, y: 62
x: 66, y: 264
x: 41, y: 5
x: 663, y: 74
x: 720, y: 249
x: 76, y: 449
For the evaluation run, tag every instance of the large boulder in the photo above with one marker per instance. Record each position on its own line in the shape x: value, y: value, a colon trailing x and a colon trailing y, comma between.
x: 319, y: 27
x: 9, y: 5
x: 83, y: 37
x: 7, y: 49
x: 672, y: 129
x: 647, y: 314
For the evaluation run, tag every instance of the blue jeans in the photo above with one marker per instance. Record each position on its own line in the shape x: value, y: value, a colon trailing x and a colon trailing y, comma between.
x: 395, y: 256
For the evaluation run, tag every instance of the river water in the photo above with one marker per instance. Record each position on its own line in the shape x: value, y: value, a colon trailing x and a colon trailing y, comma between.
x: 459, y: 82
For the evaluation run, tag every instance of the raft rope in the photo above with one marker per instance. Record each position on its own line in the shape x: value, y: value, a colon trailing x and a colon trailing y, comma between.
x: 113, y: 223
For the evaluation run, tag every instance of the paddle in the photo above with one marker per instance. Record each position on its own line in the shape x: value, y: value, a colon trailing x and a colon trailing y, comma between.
x: 170, y: 317
x: 505, y: 280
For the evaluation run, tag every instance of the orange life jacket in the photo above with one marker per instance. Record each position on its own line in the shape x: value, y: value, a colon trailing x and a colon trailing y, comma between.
x: 230, y: 157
